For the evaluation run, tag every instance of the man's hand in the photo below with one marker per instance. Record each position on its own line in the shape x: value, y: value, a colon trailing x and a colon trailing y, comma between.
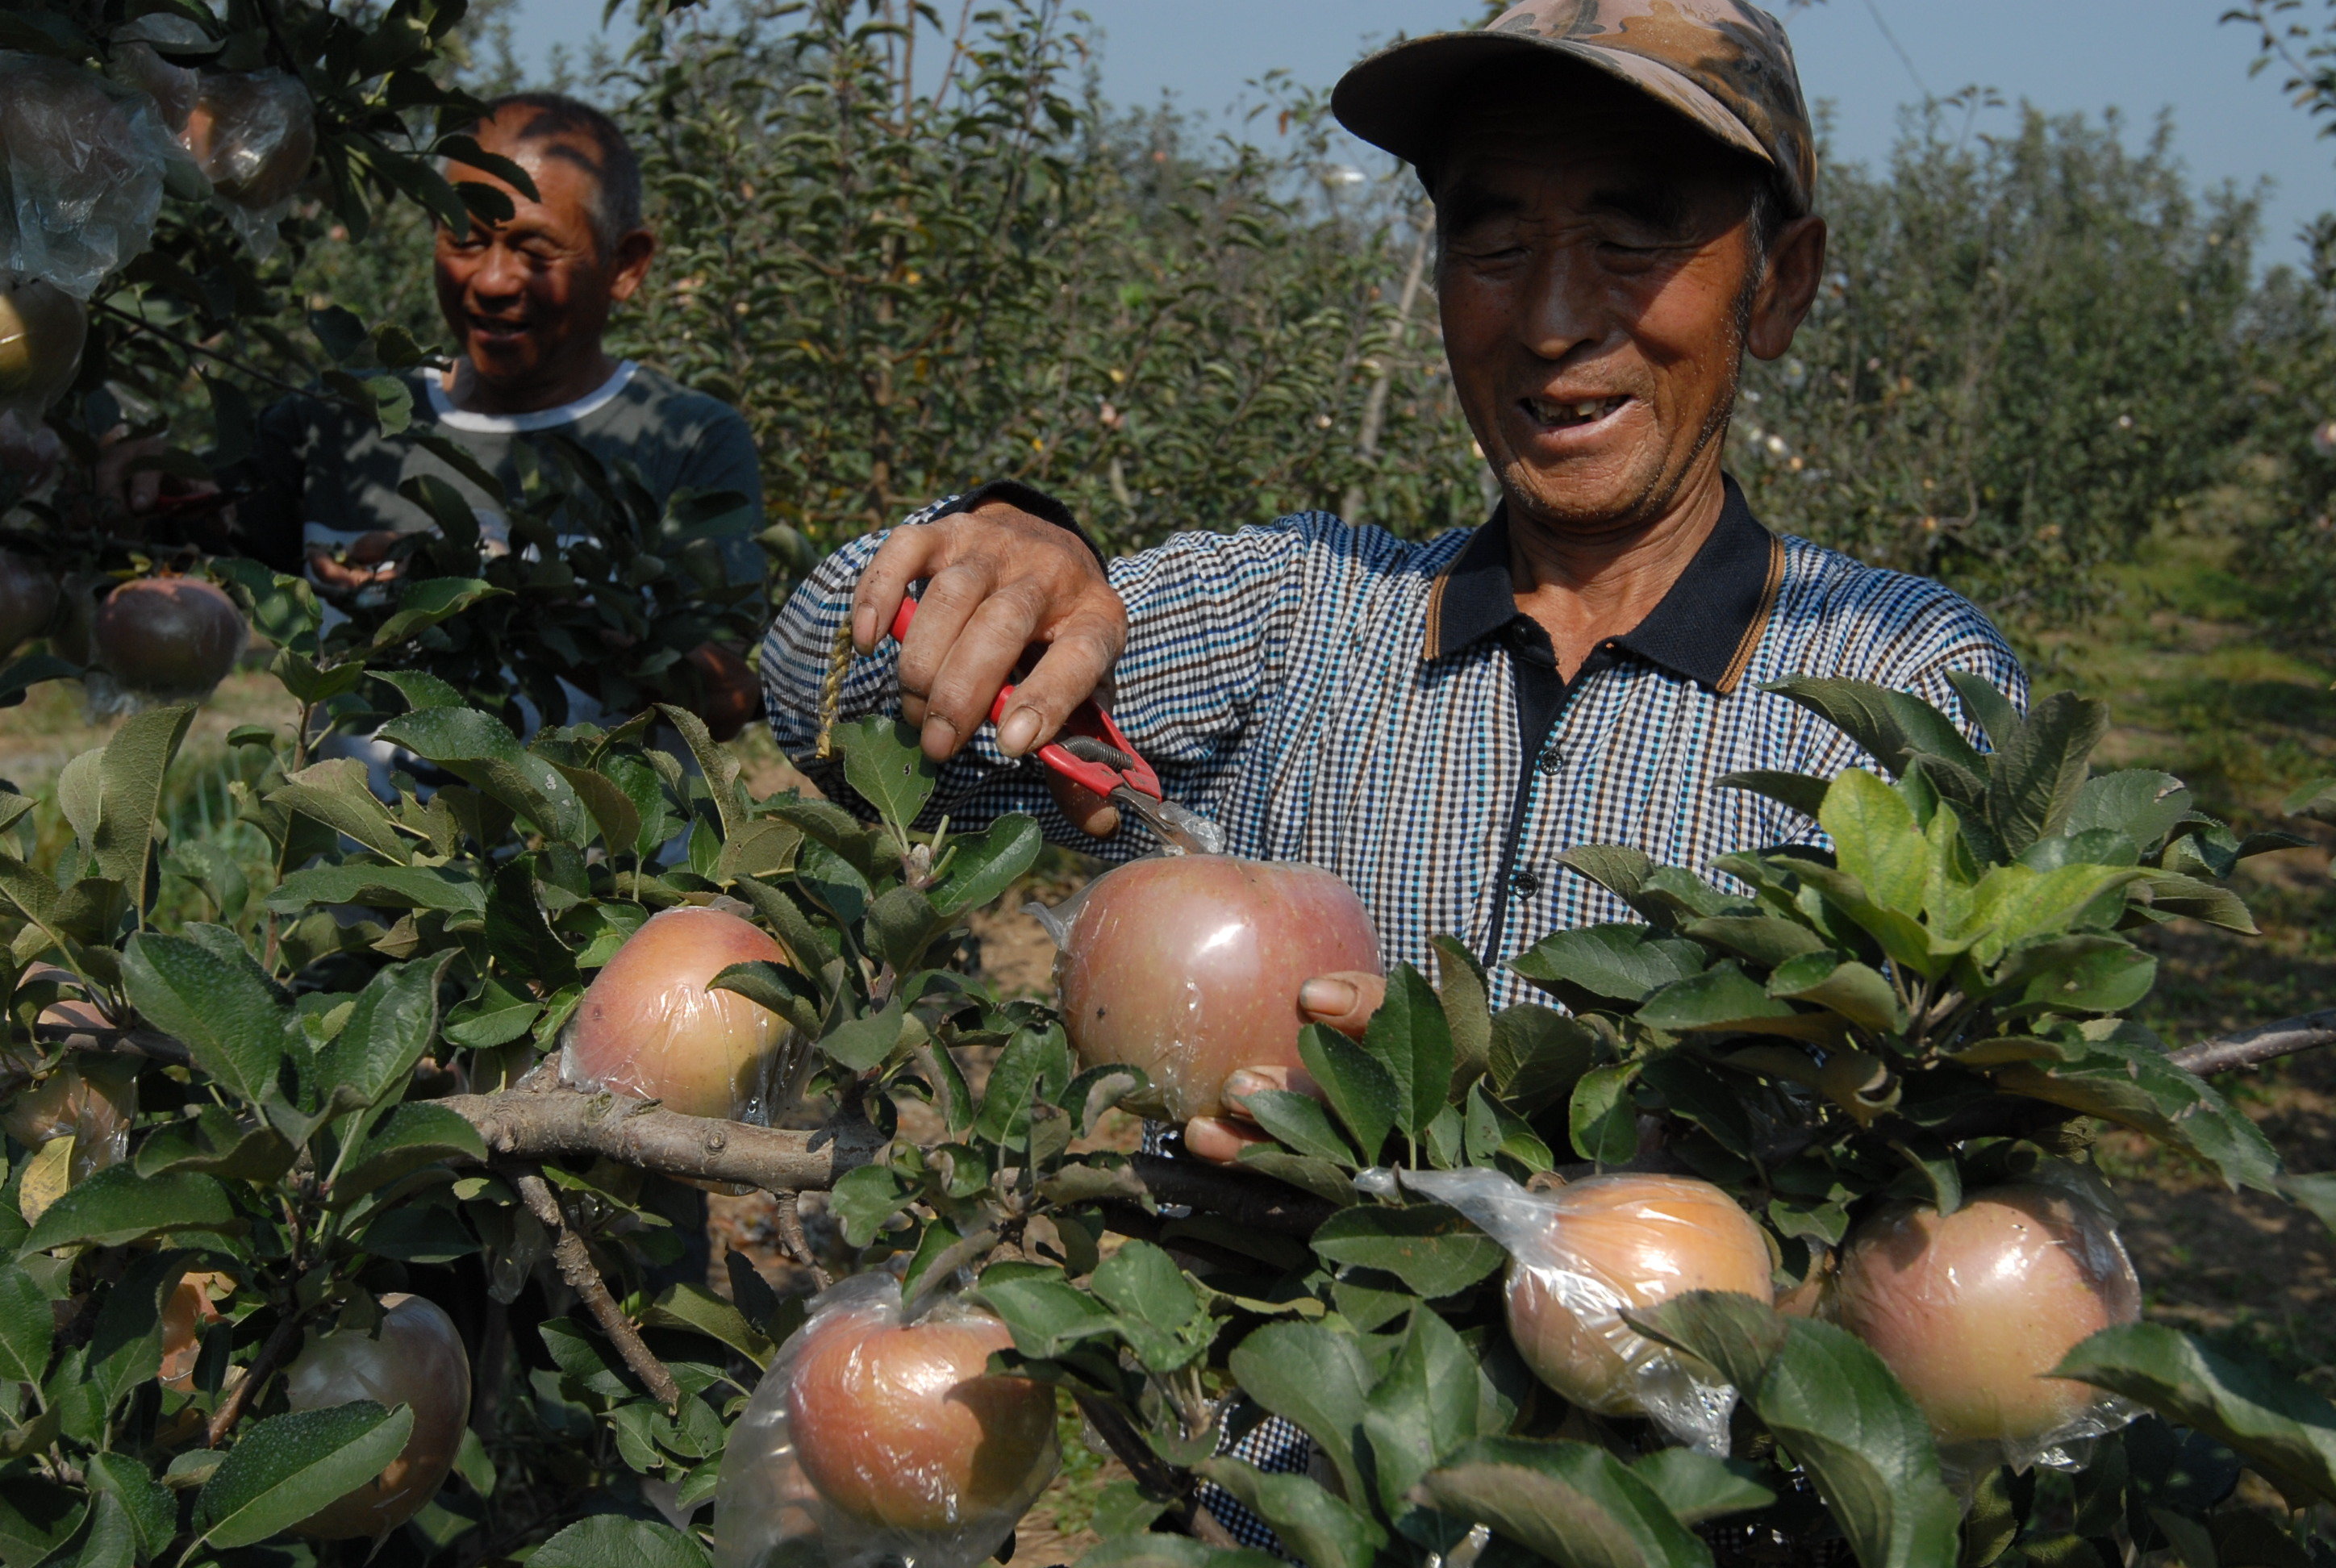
x: 1345, y: 1002
x: 366, y: 563
x: 126, y: 481
x: 998, y: 582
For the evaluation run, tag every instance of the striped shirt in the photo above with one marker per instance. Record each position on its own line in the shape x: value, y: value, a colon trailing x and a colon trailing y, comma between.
x: 1378, y: 705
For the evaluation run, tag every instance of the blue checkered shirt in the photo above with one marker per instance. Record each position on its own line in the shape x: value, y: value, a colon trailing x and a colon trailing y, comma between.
x: 1375, y: 705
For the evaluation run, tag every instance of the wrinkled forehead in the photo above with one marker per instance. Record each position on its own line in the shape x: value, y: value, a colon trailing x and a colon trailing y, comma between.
x: 554, y: 156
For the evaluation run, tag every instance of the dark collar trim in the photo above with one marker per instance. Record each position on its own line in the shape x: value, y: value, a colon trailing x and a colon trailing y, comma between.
x: 1758, y: 628
x: 1707, y: 627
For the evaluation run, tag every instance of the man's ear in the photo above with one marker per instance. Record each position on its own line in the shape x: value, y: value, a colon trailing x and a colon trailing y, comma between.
x: 1796, y: 269
x: 634, y: 253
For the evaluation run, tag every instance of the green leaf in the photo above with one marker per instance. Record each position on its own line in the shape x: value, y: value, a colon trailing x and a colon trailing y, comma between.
x: 985, y: 867
x: 2282, y: 1427
x: 2317, y: 800
x: 490, y: 1015
x: 883, y: 761
x: 1467, y: 1006
x: 1046, y: 1313
x: 613, y: 1540
x: 427, y: 602
x: 2144, y: 806
x: 700, y: 1310
x: 1835, y: 1410
x: 1618, y: 868
x: 1602, y: 1119
x: 287, y: 1467
x: 864, y: 1198
x: 1721, y: 998
x: 1538, y: 1054
x: 1322, y: 1531
x: 1696, y: 1486
x: 1890, y: 725
x: 480, y: 751
x: 212, y: 995
x: 1412, y: 1042
x: 1989, y: 708
x: 1355, y: 1082
x: 1624, y: 963
x: 1425, y: 1406
x: 117, y: 1204
x: 337, y: 794
x: 1798, y: 791
x: 1877, y: 840
x: 380, y: 887
x: 136, y: 760
x: 1576, y: 1505
x: 27, y: 1327
x: 389, y: 1029
x: 1769, y: 941
x: 1858, y: 992
x: 1430, y: 1248
x: 217, y: 1141
x: 1317, y: 1378
x: 862, y: 1043
x: 413, y: 1134
x: 2034, y: 778
x: 2129, y: 1081
x: 146, y: 1504
x: 1299, y: 1121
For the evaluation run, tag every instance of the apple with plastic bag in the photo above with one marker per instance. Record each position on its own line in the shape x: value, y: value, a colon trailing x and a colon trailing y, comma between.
x: 876, y: 1439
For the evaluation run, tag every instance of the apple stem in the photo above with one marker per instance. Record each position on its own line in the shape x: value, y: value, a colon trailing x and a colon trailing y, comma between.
x: 788, y: 1216
x: 574, y: 1260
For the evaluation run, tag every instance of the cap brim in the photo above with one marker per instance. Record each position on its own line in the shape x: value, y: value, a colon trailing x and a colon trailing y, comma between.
x: 1400, y: 97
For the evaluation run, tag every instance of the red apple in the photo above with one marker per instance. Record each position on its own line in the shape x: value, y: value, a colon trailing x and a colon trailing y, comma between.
x: 28, y: 601
x: 1615, y: 1244
x: 254, y: 134
x: 415, y: 1359
x: 1971, y: 1308
x: 903, y: 1428
x: 41, y: 333
x: 649, y: 1026
x: 1189, y: 967
x: 169, y: 637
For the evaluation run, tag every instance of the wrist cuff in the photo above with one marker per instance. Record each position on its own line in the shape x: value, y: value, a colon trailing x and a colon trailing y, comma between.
x: 1034, y: 502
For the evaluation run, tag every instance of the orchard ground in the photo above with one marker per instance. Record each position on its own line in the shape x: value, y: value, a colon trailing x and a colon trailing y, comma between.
x: 2242, y: 715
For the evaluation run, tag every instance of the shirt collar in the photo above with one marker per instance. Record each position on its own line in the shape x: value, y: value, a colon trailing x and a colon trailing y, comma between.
x: 1706, y: 628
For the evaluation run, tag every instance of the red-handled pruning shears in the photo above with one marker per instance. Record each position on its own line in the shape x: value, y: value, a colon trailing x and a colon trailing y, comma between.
x: 1089, y: 750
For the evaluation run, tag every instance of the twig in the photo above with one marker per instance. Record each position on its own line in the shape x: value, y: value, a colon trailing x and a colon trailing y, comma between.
x: 2265, y: 1042
x: 548, y: 1122
x: 788, y: 1217
x: 146, y: 1043
x: 1154, y: 1474
x: 263, y: 1366
x: 574, y: 1260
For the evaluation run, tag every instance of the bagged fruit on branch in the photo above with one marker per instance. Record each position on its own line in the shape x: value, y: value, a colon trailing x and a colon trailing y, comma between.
x: 1583, y: 1255
x: 141, y: 57
x: 88, y: 1097
x: 873, y: 1438
x: 413, y: 1356
x: 83, y: 162
x: 160, y: 639
x: 253, y: 133
x: 1970, y: 1310
x: 649, y: 1025
x: 1188, y: 967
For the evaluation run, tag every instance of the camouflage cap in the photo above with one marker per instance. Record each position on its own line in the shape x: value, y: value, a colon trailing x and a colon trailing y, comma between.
x: 1726, y: 64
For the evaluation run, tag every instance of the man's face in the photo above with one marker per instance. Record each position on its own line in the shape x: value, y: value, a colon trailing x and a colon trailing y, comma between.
x: 529, y: 299
x: 1596, y: 253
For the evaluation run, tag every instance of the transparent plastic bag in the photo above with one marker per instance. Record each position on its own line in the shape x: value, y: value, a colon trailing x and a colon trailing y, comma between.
x: 254, y: 135
x: 90, y: 1097
x: 137, y: 60
x: 1970, y: 1311
x: 1583, y: 1254
x: 1188, y: 965
x: 871, y: 1440
x: 651, y: 1026
x: 85, y: 163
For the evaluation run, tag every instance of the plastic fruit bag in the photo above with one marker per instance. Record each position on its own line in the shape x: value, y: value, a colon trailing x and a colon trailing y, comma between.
x: 83, y: 161
x: 1970, y: 1309
x: 138, y: 59
x: 254, y: 135
x: 1585, y: 1253
x: 871, y: 1440
x: 1188, y: 967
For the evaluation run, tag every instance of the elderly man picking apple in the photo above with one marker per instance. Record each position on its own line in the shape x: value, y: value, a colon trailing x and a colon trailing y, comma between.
x: 1622, y: 193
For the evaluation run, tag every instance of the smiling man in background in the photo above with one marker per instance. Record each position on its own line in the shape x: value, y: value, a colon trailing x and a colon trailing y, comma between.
x: 528, y: 301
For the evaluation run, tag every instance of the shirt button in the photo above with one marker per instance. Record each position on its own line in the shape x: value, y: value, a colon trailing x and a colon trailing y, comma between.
x: 1551, y: 761
x: 1526, y: 883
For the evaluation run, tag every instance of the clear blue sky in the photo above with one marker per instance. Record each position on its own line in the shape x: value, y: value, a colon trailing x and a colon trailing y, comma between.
x: 2139, y: 55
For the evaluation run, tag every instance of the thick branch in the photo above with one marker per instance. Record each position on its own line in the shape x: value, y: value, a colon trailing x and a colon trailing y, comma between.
x: 255, y: 1378
x: 550, y: 1123
x: 1244, y: 1200
x: 574, y: 1260
x: 2264, y: 1042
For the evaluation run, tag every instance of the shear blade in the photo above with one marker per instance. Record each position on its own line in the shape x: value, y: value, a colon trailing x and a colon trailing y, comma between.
x: 1185, y: 831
